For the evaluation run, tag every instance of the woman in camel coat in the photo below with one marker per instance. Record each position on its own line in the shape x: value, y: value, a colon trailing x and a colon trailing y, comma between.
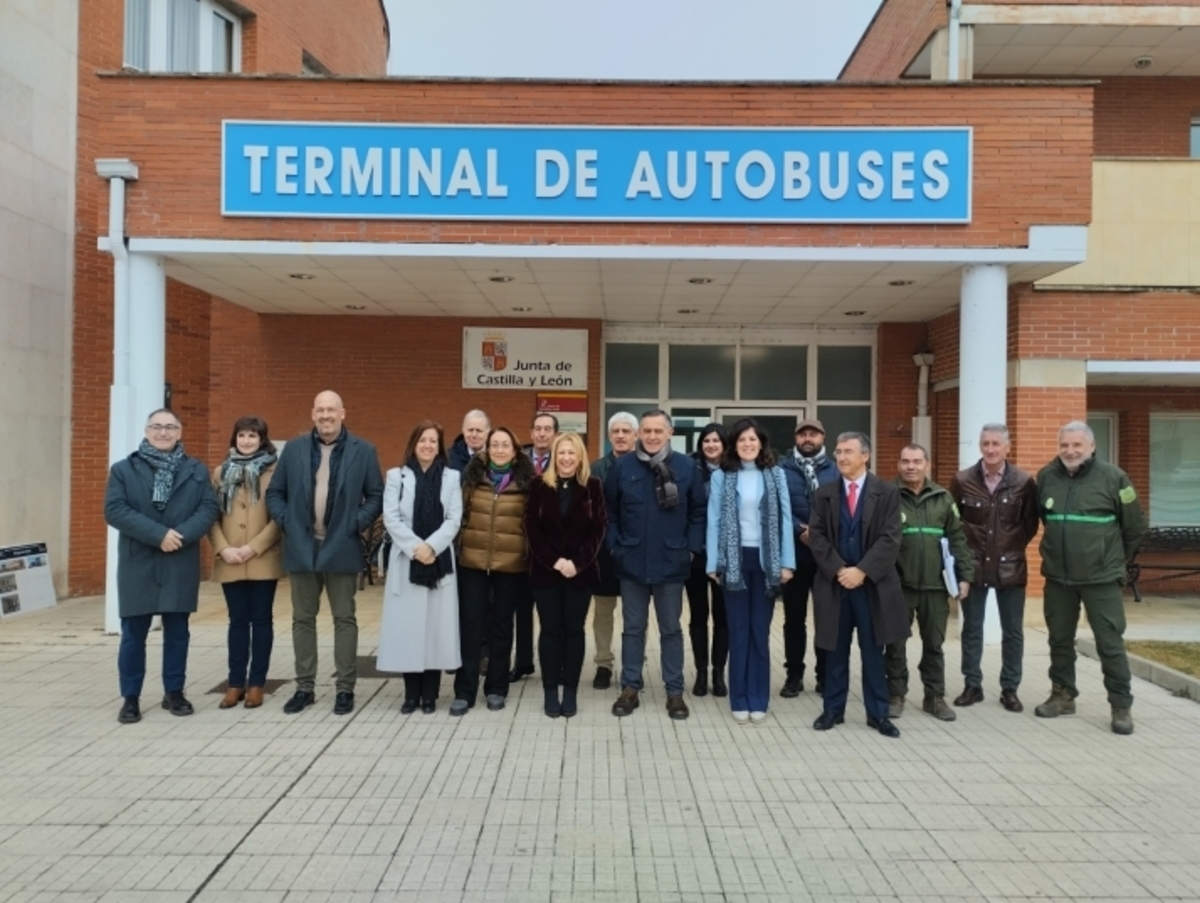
x: 249, y: 558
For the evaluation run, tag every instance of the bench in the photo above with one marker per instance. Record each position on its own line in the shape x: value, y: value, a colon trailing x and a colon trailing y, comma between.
x: 1181, y: 544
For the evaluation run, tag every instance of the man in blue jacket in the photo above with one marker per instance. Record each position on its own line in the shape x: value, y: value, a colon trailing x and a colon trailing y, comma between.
x: 656, y: 509
x: 807, y: 469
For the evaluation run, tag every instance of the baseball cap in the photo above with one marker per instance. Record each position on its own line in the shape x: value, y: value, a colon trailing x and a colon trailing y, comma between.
x: 811, y: 423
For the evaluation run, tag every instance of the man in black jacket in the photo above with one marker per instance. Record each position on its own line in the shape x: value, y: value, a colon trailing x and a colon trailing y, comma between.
x: 326, y: 491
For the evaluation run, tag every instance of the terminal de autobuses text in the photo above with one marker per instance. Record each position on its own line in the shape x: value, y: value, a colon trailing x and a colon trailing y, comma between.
x: 791, y: 175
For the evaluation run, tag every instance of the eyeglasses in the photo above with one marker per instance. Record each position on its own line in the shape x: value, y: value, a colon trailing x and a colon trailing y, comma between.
x: 162, y: 427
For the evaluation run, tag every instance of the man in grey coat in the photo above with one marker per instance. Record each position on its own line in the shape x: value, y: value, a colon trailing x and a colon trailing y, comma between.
x: 326, y: 491
x: 162, y: 504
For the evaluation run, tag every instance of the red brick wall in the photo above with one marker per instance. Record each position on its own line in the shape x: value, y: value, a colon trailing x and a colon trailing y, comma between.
x: 1028, y: 139
x: 896, y: 379
x: 893, y: 39
x: 1146, y: 117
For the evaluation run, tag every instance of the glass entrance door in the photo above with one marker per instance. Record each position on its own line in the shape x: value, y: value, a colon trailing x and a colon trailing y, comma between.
x: 779, y: 423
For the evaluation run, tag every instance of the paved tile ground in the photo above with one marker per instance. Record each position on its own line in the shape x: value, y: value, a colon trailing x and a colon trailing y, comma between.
x: 258, y: 807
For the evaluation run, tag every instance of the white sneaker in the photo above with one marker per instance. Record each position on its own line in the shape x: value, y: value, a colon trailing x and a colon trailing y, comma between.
x: 758, y: 717
x: 741, y: 717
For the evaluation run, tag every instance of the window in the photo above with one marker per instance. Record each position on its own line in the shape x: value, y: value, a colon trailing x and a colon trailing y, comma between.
x: 1196, y: 139
x: 182, y: 36
x: 1104, y: 425
x: 1174, y: 470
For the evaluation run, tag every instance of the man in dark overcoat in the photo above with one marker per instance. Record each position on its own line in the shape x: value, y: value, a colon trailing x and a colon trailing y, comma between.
x: 854, y: 534
x: 162, y: 503
x: 326, y: 491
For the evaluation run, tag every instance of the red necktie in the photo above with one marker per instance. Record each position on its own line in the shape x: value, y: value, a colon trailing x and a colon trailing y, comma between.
x: 852, y: 497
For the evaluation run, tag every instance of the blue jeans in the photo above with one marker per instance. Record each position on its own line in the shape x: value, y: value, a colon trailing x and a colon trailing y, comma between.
x: 1011, y: 602
x: 131, y: 659
x: 749, y: 613
x: 251, y: 630
x: 855, y: 614
x: 635, y: 612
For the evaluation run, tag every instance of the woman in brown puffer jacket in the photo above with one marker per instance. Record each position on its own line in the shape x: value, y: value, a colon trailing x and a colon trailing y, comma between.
x: 493, y: 570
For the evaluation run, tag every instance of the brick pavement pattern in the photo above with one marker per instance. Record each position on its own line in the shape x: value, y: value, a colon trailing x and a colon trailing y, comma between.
x: 252, y: 806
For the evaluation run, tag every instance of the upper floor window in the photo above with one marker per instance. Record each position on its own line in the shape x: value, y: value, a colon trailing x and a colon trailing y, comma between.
x: 182, y: 36
x: 1196, y: 139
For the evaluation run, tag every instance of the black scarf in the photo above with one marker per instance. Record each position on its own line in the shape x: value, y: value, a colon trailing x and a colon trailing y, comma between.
x: 664, y: 480
x: 335, y: 461
x: 240, y: 469
x: 428, y: 517
x: 164, y: 464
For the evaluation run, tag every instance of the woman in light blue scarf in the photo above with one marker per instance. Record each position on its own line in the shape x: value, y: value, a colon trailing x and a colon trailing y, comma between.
x: 751, y: 553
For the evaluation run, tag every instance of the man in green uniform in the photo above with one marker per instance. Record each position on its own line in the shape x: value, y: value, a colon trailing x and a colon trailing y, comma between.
x: 1093, y: 525
x: 928, y: 513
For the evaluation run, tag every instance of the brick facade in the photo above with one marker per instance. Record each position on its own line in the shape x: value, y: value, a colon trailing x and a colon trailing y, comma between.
x: 893, y: 39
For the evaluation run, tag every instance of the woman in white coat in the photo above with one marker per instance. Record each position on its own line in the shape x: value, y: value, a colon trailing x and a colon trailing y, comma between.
x: 422, y: 508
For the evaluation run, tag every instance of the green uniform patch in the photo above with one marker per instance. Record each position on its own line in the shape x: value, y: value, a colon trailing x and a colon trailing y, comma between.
x: 1128, y: 495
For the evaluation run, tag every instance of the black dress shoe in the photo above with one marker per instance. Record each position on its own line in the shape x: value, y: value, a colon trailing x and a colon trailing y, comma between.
x: 884, y: 726
x: 719, y: 687
x: 176, y: 703
x: 700, y: 687
x: 827, y: 722
x: 344, y: 703
x: 410, y: 706
x: 792, y: 687
x: 131, y: 711
x: 1010, y: 701
x: 428, y: 706
x: 603, y: 678
x: 519, y: 674
x: 969, y: 696
x: 300, y: 700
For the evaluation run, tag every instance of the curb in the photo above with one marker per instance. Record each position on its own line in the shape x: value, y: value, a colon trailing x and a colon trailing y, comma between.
x: 1177, y: 682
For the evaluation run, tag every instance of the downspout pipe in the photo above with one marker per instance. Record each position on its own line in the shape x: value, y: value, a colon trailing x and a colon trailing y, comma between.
x: 120, y: 402
x: 952, y: 69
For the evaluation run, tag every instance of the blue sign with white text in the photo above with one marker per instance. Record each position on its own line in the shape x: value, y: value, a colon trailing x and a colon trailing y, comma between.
x: 764, y: 175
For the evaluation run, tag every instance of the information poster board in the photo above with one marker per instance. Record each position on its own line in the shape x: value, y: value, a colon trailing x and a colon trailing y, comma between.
x: 25, y: 581
x: 569, y: 407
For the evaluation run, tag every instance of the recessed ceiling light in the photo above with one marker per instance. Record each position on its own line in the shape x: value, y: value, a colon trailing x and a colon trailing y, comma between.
x: 522, y: 310
x: 301, y: 276
x: 700, y: 280
x: 500, y: 278
x: 898, y: 283
x: 356, y: 307
x: 688, y: 310
x: 855, y: 313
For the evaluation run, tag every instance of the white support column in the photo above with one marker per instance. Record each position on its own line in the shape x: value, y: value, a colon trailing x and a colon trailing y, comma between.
x: 147, y: 337
x: 121, y: 402
x: 982, y: 375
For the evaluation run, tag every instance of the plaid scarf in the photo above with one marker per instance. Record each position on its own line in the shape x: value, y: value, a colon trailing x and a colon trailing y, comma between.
x: 239, y: 469
x: 729, y: 541
x: 808, y: 466
x: 165, y: 465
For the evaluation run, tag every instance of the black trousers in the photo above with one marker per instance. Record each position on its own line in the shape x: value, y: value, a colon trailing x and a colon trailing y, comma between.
x: 523, y: 615
x: 485, y: 611
x: 422, y: 685
x: 698, y: 588
x: 562, y: 611
x: 795, y: 613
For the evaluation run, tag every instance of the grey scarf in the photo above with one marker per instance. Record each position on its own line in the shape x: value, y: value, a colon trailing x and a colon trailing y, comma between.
x: 239, y: 469
x: 808, y: 467
x: 164, y: 464
x: 729, y: 539
x: 664, y: 480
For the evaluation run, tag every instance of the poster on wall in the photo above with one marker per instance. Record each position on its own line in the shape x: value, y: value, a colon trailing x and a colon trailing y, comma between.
x: 540, y: 359
x: 569, y: 407
x: 25, y: 581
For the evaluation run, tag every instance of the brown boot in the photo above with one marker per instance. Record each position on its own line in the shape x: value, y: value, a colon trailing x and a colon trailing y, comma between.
x: 1122, y: 720
x: 1061, y: 702
x: 936, y: 706
x: 254, y: 697
x: 232, y: 697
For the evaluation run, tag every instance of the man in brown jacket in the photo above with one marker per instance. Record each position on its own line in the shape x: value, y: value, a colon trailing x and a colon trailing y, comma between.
x: 998, y: 504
